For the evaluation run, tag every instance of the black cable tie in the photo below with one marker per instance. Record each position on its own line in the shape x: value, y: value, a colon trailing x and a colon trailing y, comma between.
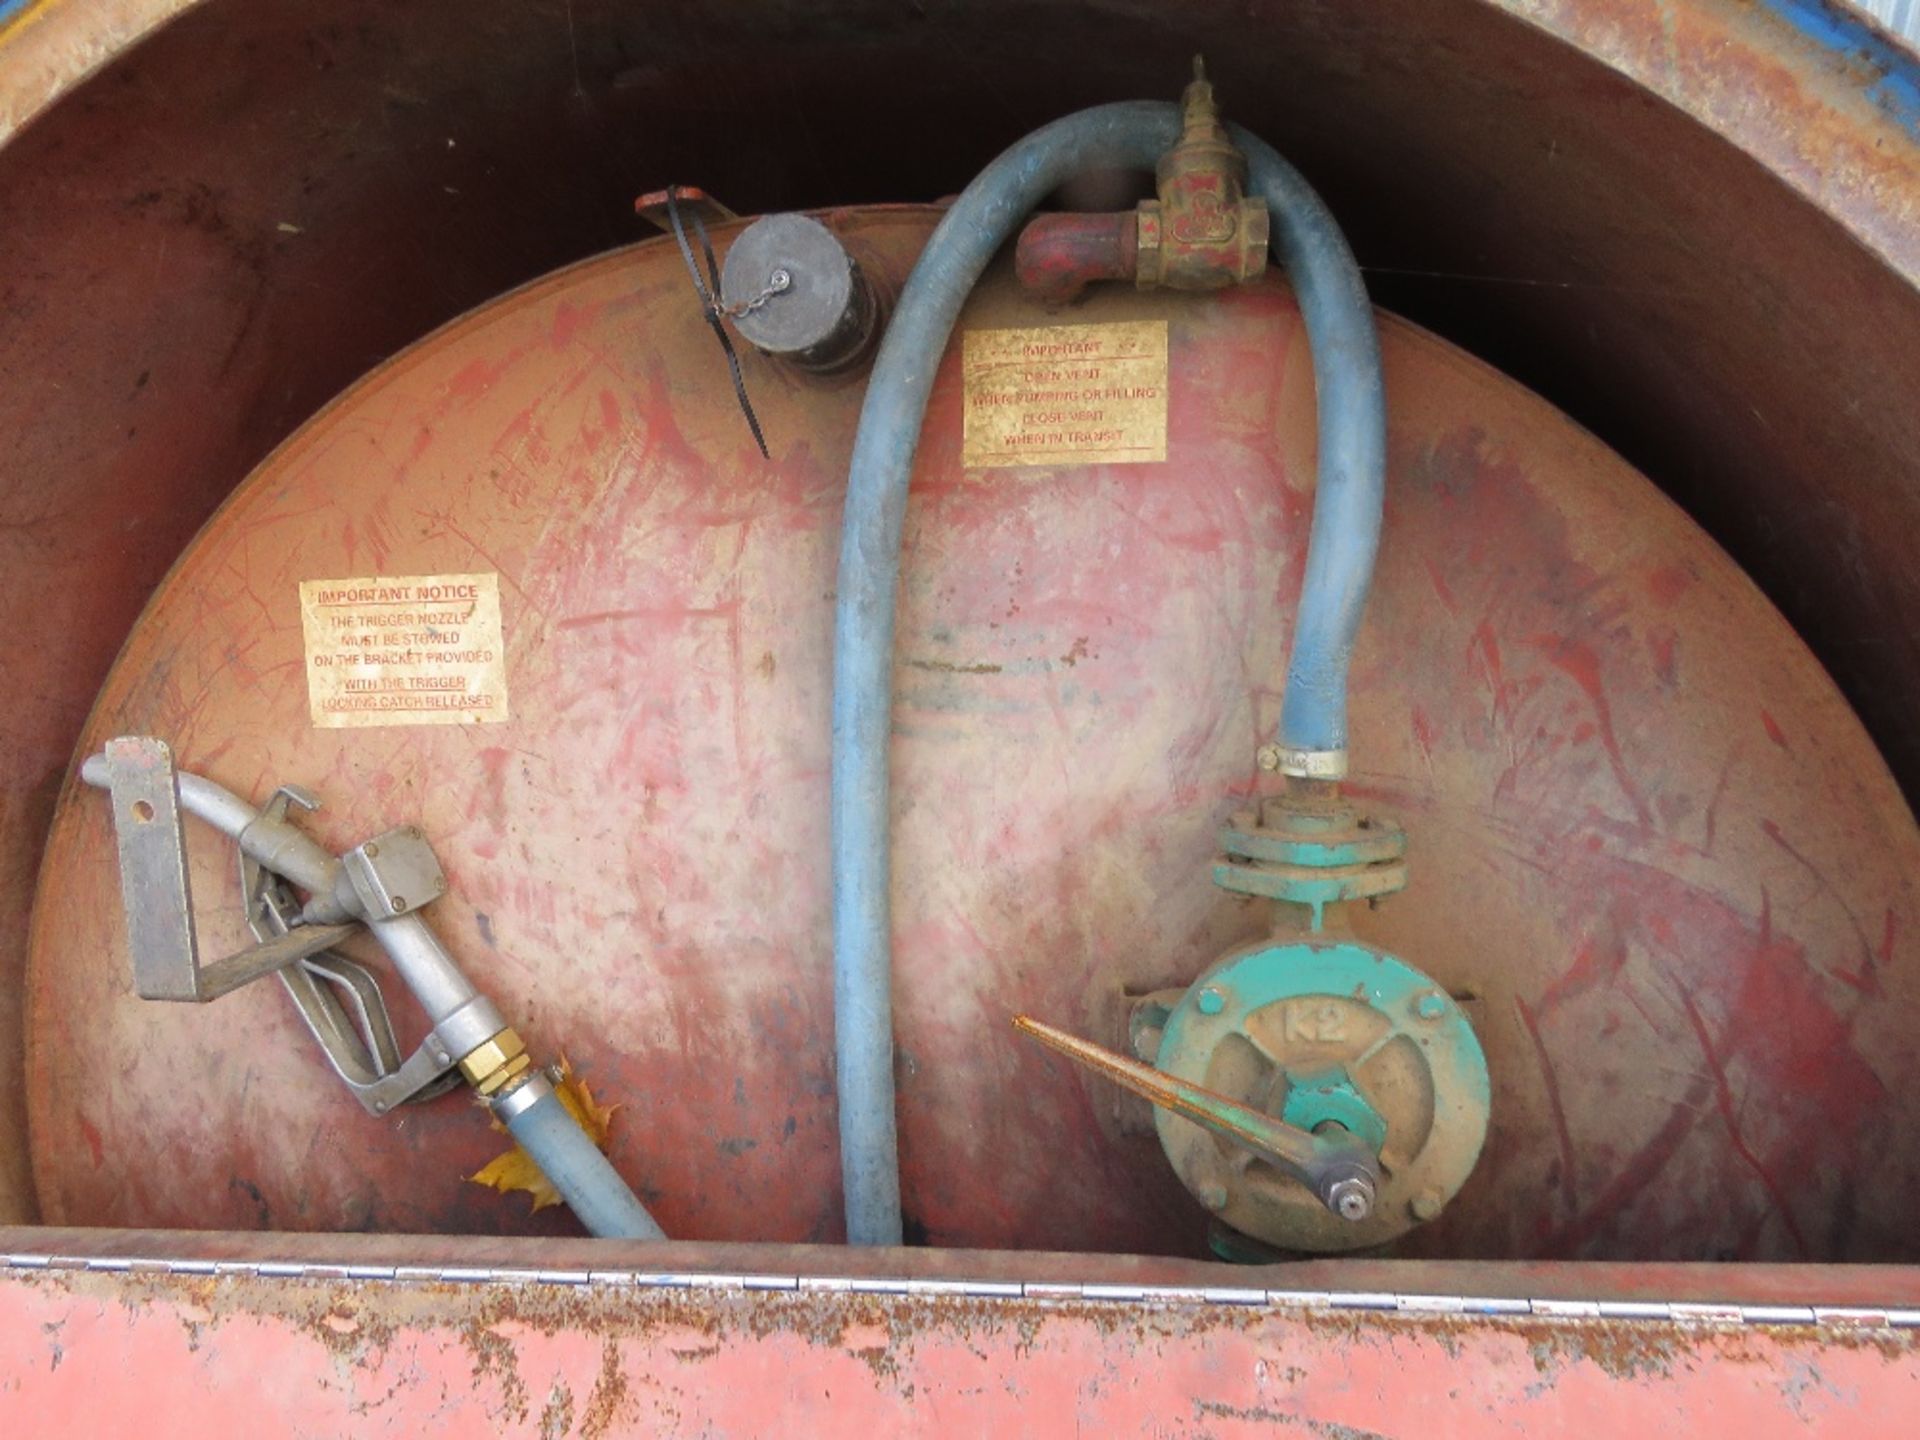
x: 710, y: 307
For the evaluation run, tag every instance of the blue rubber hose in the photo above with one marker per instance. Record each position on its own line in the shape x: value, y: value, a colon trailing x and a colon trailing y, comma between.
x: 978, y: 224
x: 1333, y: 300
x: 584, y: 1177
x: 1351, y: 404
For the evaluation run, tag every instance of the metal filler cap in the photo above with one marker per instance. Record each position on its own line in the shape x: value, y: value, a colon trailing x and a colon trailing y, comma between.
x: 794, y: 293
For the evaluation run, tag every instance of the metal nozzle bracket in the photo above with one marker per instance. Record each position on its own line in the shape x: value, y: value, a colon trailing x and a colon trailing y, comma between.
x: 157, y: 895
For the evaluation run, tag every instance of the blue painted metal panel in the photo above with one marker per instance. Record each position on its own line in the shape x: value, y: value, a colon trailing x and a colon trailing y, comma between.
x: 1902, y: 17
x: 1844, y: 29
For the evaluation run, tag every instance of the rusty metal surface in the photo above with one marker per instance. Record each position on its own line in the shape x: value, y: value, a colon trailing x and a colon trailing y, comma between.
x: 1651, y: 843
x: 278, y: 1335
x: 1695, y: 226
x: 47, y: 47
x: 1833, y: 128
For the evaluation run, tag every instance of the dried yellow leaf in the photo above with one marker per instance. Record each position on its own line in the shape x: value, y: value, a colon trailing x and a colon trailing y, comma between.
x: 514, y: 1169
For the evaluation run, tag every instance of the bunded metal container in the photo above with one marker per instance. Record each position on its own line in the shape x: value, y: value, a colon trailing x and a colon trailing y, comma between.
x: 1656, y: 856
x: 1684, y: 947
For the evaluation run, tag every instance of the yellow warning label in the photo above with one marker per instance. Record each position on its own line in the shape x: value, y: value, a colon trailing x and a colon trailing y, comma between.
x: 1066, y: 395
x: 404, y: 650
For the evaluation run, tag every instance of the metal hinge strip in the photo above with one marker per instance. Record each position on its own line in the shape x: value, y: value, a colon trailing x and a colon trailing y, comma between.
x: 1240, y: 1298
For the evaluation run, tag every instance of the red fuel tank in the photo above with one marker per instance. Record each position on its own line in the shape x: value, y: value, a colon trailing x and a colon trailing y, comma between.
x: 1651, y: 848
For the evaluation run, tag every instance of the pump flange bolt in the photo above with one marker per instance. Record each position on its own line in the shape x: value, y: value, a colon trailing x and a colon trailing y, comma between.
x: 1267, y: 757
x: 1430, y: 1006
x: 1211, y: 1001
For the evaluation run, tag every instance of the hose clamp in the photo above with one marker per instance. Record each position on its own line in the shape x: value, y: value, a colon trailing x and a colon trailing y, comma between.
x: 492, y: 1064
x: 1305, y: 764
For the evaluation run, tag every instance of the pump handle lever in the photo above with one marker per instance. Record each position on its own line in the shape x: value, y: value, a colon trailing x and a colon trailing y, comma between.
x: 1336, y: 1165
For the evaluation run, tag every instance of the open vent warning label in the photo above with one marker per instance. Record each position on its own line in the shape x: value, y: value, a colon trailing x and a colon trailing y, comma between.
x: 1066, y: 395
x: 404, y: 650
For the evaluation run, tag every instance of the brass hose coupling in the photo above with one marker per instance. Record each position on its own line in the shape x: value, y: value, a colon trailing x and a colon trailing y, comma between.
x: 495, y: 1061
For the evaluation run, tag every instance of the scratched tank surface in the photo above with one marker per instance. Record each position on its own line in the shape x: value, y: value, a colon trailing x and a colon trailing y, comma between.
x: 1652, y: 849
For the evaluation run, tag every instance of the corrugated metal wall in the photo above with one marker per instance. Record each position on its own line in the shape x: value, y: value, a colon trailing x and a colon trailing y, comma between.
x: 1902, y: 17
